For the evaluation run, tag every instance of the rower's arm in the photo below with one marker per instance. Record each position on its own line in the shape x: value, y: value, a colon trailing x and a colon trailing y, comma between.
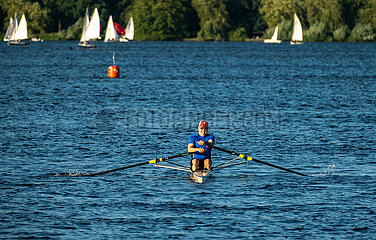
x: 191, y: 148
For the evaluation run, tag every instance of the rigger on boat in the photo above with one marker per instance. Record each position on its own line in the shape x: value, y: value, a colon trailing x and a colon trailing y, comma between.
x: 198, y: 176
x: 199, y: 149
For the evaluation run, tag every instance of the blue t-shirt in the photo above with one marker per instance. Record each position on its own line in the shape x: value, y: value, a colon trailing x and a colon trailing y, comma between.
x: 195, y: 138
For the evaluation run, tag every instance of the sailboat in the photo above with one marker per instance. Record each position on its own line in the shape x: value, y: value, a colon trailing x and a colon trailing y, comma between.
x: 297, y: 32
x: 17, y: 32
x: 10, y: 30
x: 90, y: 30
x: 129, y: 31
x: 274, y: 38
x: 111, y: 34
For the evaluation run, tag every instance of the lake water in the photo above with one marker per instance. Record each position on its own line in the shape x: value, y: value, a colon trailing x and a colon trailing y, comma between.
x: 310, y: 108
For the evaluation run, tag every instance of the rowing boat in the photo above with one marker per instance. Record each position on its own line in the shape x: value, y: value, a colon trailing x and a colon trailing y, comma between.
x: 198, y: 176
x: 201, y: 175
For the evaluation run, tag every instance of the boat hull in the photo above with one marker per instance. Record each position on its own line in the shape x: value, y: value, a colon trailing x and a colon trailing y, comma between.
x: 17, y: 43
x: 199, y: 176
x: 296, y: 43
x: 86, y: 45
x: 272, y: 41
x: 123, y: 40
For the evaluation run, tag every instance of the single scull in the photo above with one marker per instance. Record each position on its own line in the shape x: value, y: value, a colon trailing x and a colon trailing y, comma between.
x: 198, y: 176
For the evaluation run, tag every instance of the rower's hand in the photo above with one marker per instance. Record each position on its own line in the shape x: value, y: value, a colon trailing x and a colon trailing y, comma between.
x: 209, y: 144
x: 201, y: 150
x: 201, y: 142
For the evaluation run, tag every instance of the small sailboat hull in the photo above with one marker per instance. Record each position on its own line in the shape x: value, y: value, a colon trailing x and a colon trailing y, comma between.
x: 18, y: 43
x: 272, y: 41
x: 86, y: 45
x: 296, y: 43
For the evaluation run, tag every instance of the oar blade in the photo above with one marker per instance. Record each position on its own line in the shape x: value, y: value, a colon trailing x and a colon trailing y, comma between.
x: 279, y: 167
x: 253, y: 159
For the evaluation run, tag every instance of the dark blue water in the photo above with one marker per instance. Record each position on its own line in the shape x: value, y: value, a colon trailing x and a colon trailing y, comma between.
x: 310, y: 108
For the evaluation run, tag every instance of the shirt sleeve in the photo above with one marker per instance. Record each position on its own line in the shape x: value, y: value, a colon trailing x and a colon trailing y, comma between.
x: 191, y: 139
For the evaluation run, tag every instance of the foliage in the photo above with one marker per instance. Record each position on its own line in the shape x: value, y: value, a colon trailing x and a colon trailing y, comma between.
x: 327, y: 12
x: 363, y: 32
x: 234, y: 20
x: 238, y: 35
x: 317, y: 32
x: 35, y: 16
x: 275, y: 11
x: 214, y: 19
x: 244, y: 14
x: 67, y: 12
x: 368, y: 13
x: 72, y: 33
x: 269, y: 33
x: 285, y: 30
x: 159, y: 20
x: 349, y: 13
x: 341, y: 33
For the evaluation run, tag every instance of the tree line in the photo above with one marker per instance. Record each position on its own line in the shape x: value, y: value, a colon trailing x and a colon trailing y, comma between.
x: 222, y: 20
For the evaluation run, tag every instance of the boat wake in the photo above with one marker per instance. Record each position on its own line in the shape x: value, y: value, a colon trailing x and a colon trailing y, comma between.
x: 70, y: 174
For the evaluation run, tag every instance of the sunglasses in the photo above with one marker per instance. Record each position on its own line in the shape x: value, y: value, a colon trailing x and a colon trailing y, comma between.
x: 202, y: 128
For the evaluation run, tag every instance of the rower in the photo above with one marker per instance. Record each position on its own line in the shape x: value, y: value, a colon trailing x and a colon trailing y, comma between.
x: 201, y: 159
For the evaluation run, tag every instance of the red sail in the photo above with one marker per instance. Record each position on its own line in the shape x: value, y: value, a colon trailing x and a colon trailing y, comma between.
x: 119, y: 29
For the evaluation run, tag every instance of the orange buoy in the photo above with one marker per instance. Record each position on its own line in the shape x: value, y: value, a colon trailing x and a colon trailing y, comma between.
x: 113, y: 71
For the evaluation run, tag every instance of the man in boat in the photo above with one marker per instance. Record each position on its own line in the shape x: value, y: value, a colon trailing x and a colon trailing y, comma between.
x: 201, y: 159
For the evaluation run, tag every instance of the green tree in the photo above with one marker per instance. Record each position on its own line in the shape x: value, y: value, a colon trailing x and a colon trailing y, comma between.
x: 349, y: 13
x: 341, y: 33
x: 214, y: 19
x: 367, y: 14
x: 65, y: 13
x: 158, y: 20
x: 324, y: 11
x: 36, y: 17
x: 244, y: 14
x: 238, y: 35
x: 316, y: 32
x: 363, y: 32
x: 285, y: 30
x: 275, y: 11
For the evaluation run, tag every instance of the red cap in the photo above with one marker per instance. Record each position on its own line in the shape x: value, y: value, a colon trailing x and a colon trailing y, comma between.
x: 204, y: 124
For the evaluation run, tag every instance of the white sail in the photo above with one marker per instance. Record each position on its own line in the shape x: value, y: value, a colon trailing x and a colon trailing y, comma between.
x: 297, y: 32
x: 93, y: 29
x: 10, y: 30
x: 274, y: 38
x: 14, y: 30
x: 111, y: 34
x: 275, y: 35
x: 21, y: 33
x: 129, y: 30
x: 86, y: 22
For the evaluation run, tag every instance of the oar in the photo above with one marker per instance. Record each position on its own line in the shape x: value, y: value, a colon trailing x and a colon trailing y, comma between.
x: 252, y: 159
x: 139, y: 164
